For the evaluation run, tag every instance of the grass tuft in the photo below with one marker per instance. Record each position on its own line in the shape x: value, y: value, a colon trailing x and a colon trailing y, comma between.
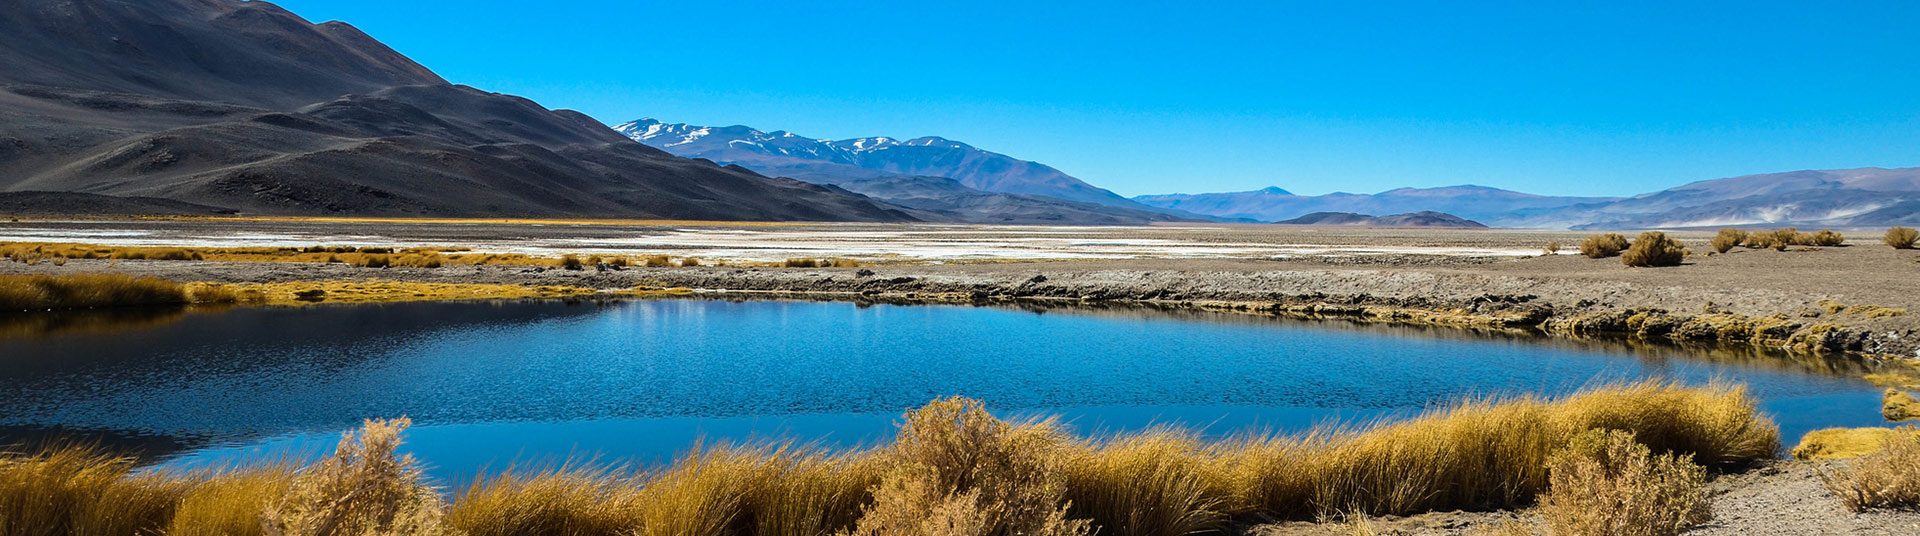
x: 1601, y: 246
x: 1901, y: 238
x: 1726, y: 239
x: 82, y: 291
x: 1654, y: 248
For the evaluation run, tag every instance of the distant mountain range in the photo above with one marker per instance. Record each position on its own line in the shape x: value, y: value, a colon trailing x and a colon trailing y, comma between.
x: 950, y: 179
x: 231, y: 105
x: 1865, y: 197
x: 1477, y: 203
x: 1416, y: 219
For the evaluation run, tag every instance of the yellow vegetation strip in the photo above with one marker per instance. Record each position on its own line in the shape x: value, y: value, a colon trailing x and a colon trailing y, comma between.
x: 311, y: 292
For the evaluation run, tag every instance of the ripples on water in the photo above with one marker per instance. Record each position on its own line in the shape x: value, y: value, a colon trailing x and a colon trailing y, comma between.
x: 491, y: 382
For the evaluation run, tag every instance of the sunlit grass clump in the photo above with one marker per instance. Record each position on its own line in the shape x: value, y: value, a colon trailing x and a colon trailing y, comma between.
x: 953, y: 469
x: 1606, y: 483
x: 1601, y: 246
x: 1888, y: 478
x: 87, y: 291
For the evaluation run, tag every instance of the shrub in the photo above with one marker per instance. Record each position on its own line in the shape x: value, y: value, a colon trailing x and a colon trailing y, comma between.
x: 1654, y: 248
x: 1759, y: 240
x: 801, y: 263
x: 570, y: 262
x: 1726, y: 239
x: 364, y: 488
x: 690, y: 261
x: 1607, y: 484
x: 1827, y: 238
x: 956, y: 469
x: 659, y: 261
x: 842, y: 263
x: 618, y: 262
x: 1601, y: 246
x: 595, y: 261
x: 372, y: 260
x: 1552, y: 248
x: 1889, y: 478
x: 1789, y: 237
x: 1901, y: 237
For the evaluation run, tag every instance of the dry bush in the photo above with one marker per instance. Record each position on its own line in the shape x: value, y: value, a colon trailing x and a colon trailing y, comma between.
x: 68, y: 489
x: 1827, y: 238
x: 841, y: 263
x: 1552, y: 248
x: 659, y: 261
x: 595, y: 260
x: 1726, y: 239
x: 690, y: 261
x: 363, y: 489
x: 1760, y: 240
x: 1789, y: 237
x: 1601, y: 246
x: 1889, y: 478
x: 618, y: 262
x: 370, y: 260
x: 570, y: 262
x: 1654, y: 248
x: 1607, y: 484
x: 80, y: 291
x: 1153, y: 483
x: 1901, y: 237
x: 954, y: 469
x: 421, y: 260
x: 1897, y: 405
x: 801, y: 263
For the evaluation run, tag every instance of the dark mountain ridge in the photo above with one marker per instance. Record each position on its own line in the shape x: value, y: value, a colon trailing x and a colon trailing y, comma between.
x: 246, y: 106
x: 1416, y: 219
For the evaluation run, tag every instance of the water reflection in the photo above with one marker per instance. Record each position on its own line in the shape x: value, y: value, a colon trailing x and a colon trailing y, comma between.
x: 490, y: 382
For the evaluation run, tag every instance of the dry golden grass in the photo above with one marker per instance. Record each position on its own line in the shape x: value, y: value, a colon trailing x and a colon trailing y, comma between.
x: 1726, y: 239
x: 1900, y: 237
x: 1654, y: 248
x: 1889, y: 478
x: 1826, y: 237
x: 1601, y: 246
x: 1552, y: 248
x: 1841, y: 443
x: 1897, y: 405
x: 1607, y: 484
x: 309, y: 292
x: 364, y: 257
x: 954, y: 469
x: 82, y: 291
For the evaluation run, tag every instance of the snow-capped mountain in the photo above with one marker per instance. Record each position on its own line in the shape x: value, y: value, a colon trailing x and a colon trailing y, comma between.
x: 782, y: 153
x: 1478, y: 203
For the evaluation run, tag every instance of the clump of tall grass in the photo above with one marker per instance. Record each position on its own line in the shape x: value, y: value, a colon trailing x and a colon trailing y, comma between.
x: 81, y: 291
x: 1654, y: 248
x: 1889, y: 478
x: 1900, y: 237
x: 1155, y: 483
x: 1552, y: 248
x: 690, y: 261
x: 76, y: 489
x: 801, y: 263
x: 1727, y: 239
x: 955, y: 469
x: 1827, y: 238
x: 1601, y: 246
x: 659, y: 261
x: 364, y: 488
x: 229, y: 502
x: 570, y: 262
x: 1607, y: 484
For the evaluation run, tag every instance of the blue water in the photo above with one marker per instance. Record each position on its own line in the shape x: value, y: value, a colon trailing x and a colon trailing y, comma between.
x: 491, y: 384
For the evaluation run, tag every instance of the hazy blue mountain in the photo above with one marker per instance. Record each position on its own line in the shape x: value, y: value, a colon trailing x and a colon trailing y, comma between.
x: 782, y: 153
x: 1864, y: 197
x: 1478, y: 203
x: 1416, y: 219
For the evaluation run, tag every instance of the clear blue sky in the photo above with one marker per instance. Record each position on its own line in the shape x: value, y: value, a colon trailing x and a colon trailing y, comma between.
x: 1591, y: 98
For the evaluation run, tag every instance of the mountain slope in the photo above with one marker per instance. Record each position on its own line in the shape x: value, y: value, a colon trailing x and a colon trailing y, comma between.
x: 1845, y: 197
x: 1274, y: 204
x: 1416, y: 219
x: 246, y: 106
x: 783, y: 153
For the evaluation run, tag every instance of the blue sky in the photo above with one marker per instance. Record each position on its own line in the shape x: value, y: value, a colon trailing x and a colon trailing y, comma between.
x: 1579, y: 98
